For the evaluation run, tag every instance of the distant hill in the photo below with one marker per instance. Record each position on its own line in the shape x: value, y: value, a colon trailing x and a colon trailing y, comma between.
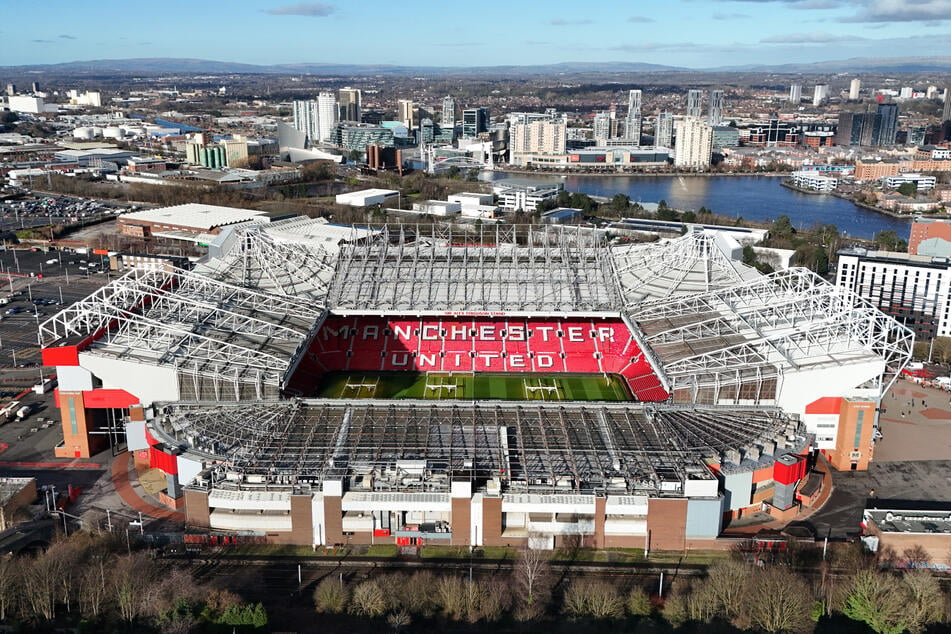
x: 852, y: 65
x: 159, y: 66
x: 166, y: 65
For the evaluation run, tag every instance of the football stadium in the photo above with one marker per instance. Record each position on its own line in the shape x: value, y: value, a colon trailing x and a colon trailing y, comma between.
x: 315, y: 384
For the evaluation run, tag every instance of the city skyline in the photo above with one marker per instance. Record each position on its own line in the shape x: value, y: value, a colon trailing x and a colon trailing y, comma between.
x: 688, y: 33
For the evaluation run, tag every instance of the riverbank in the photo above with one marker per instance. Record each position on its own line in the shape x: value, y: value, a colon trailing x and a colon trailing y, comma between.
x: 564, y: 173
x: 884, y: 212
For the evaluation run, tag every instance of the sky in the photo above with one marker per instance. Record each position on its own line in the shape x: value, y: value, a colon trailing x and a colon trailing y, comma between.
x: 689, y: 33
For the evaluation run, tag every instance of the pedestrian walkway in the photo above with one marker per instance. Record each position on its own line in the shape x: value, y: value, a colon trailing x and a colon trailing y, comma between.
x: 127, y: 490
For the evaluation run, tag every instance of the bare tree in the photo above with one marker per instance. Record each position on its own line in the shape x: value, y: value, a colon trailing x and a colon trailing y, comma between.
x: 924, y: 599
x: 368, y: 600
x: 638, y: 602
x: 415, y: 593
x: 399, y: 619
x: 594, y: 598
x: 451, y: 594
x: 41, y: 584
x: 778, y: 601
x: 132, y: 576
x: 11, y: 573
x: 94, y: 587
x: 331, y: 596
x: 727, y: 581
x: 532, y: 570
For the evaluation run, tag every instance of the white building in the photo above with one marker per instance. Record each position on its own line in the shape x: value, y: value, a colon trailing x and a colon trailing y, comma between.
x: 694, y: 103
x: 664, y: 130
x: 601, y: 127
x: 811, y: 179
x: 795, y: 93
x: 24, y: 103
x: 632, y: 126
x: 316, y: 118
x: 524, y: 197
x: 914, y: 289
x: 537, y: 137
x: 404, y: 113
x: 447, y: 118
x: 366, y: 197
x: 438, y: 208
x: 694, y: 144
x: 716, y: 108
x: 923, y: 182
x: 854, y: 89
x: 820, y: 95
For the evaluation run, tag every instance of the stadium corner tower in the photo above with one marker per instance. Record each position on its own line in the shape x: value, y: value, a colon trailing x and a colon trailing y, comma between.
x: 315, y: 384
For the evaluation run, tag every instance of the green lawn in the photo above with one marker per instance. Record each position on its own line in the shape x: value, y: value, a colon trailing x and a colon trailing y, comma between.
x: 480, y: 386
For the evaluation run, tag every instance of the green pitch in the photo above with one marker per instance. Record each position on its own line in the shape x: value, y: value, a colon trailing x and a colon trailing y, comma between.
x: 481, y: 386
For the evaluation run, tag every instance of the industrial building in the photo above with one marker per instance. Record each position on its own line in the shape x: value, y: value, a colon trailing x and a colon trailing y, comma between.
x: 188, y: 221
x: 213, y: 373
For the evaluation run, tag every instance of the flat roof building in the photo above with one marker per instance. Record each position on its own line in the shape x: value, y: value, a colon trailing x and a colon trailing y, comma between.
x: 190, y: 218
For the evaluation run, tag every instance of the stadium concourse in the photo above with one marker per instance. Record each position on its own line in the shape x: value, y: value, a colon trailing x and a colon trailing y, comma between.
x: 322, y: 385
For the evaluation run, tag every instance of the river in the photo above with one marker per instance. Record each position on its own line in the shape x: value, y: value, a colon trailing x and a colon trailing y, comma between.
x: 758, y: 198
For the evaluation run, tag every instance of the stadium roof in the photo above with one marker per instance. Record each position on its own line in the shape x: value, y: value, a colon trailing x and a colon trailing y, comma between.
x: 479, y: 269
x: 200, y: 326
x: 284, y: 263
x: 196, y: 215
x: 694, y: 263
x: 751, y: 333
x: 528, y: 447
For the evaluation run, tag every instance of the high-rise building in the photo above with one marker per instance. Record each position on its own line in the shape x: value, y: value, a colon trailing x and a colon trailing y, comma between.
x: 404, y: 113
x: 931, y: 92
x: 35, y: 87
x: 695, y: 103
x: 795, y: 93
x: 715, y: 108
x: 820, y: 95
x: 694, y: 147
x: 946, y: 114
x: 349, y: 103
x: 905, y: 92
x: 537, y: 137
x: 911, y: 288
x: 854, y: 89
x: 11, y: 90
x: 447, y: 118
x: 474, y: 121
x: 316, y: 118
x: 888, y: 125
x: 632, y: 127
x: 602, y: 127
x: 664, y: 130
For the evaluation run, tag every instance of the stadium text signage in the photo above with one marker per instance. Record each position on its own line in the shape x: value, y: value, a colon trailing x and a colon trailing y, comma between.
x: 449, y: 346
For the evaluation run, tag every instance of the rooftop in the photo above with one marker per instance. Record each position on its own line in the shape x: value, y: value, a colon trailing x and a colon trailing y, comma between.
x: 566, y: 447
x: 196, y: 215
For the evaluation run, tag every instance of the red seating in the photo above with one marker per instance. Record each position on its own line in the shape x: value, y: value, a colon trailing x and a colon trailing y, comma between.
x: 483, y: 344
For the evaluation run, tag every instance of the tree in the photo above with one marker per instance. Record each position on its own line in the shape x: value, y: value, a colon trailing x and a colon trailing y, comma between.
x: 11, y: 573
x: 132, y: 576
x: 728, y: 580
x: 778, y: 600
x: 620, y: 202
x: 531, y: 573
x: 399, y: 619
x: 330, y: 596
x: 368, y: 600
x: 876, y: 600
x: 908, y: 189
x: 593, y: 598
x: 638, y: 602
x: 782, y: 227
x: 889, y: 241
x: 924, y: 599
x: 451, y: 596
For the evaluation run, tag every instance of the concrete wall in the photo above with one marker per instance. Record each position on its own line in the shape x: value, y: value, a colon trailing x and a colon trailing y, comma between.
x: 704, y: 518
x: 737, y: 488
x: 149, y: 383
x: 798, y: 389
x: 197, y: 513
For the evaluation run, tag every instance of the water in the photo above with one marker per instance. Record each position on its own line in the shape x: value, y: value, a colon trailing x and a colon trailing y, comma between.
x: 756, y: 198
